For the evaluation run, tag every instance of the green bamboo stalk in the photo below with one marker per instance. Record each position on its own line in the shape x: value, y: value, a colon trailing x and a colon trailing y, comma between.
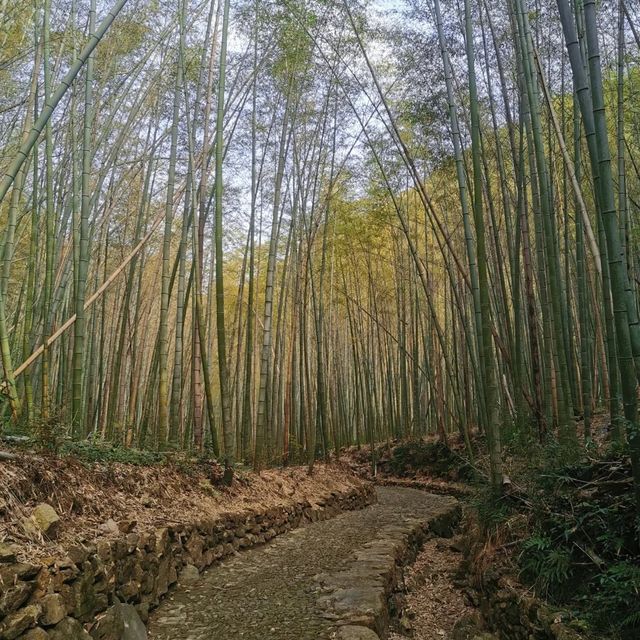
x: 52, y: 100
x: 490, y: 388
x: 175, y: 408
x: 590, y: 96
x: 79, y: 328
x: 461, y: 176
x: 228, y: 432
x: 163, y: 335
x: 565, y: 413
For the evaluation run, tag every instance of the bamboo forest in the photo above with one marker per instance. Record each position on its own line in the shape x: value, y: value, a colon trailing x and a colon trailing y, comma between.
x: 368, y: 270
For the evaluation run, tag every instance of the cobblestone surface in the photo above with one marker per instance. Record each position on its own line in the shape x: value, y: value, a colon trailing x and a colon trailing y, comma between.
x: 269, y: 592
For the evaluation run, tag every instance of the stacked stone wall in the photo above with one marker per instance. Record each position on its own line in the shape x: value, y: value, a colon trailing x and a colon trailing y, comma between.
x: 62, y: 599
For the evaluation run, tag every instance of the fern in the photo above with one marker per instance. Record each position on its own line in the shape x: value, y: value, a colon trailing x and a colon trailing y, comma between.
x: 545, y: 564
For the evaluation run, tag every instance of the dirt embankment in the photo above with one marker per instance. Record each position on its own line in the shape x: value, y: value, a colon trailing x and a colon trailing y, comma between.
x: 103, y: 500
x: 95, y: 546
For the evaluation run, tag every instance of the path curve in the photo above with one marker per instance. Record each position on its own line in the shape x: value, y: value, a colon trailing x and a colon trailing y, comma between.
x: 270, y: 592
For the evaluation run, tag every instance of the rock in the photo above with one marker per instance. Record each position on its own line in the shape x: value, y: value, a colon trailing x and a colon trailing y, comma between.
x: 38, y: 633
x: 162, y: 579
x: 78, y: 554
x: 16, y: 623
x: 20, y: 571
x: 121, y: 622
x: 195, y: 547
x: 7, y: 553
x: 84, y: 597
x: 53, y: 609
x: 15, y: 596
x: 127, y: 526
x: 362, y: 605
x: 189, y: 574
x: 102, y: 602
x: 143, y: 611
x: 43, y: 520
x: 69, y: 629
x: 119, y: 549
x: 445, y: 523
x: 63, y: 572
x: 129, y: 591
x: 132, y: 542
x: 162, y: 541
x: 110, y: 526
x: 103, y: 549
x: 562, y: 632
x: 353, y: 632
x: 468, y: 627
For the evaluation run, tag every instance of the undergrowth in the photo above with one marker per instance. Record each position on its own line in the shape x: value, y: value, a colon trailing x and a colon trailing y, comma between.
x: 576, y: 536
x: 49, y: 438
x: 99, y: 451
x: 584, y: 548
x: 434, y: 458
x: 52, y: 436
x: 408, y: 457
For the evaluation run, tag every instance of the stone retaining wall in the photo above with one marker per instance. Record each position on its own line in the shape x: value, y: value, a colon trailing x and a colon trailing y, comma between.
x: 516, y: 616
x: 439, y: 487
x: 58, y: 599
x: 362, y: 599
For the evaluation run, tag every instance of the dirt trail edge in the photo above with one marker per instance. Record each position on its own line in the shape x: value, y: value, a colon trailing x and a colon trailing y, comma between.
x: 329, y: 579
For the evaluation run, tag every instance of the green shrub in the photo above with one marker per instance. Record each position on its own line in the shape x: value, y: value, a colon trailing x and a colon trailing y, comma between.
x: 584, y: 551
x: 492, y: 510
x: 616, y: 599
x: 106, y: 452
x: 434, y: 457
x: 546, y: 565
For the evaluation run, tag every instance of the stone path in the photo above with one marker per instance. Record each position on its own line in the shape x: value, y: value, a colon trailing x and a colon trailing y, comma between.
x: 270, y: 592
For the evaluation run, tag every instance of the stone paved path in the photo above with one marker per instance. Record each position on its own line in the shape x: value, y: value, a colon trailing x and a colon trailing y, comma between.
x: 267, y: 593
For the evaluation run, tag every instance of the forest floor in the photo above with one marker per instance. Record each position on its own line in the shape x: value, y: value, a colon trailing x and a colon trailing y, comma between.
x: 272, y: 587
x: 100, y: 499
